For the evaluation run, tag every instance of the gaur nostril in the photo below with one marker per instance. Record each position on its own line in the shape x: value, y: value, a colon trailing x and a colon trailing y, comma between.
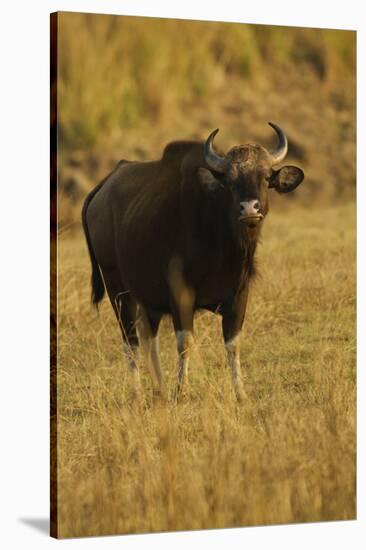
x: 256, y: 205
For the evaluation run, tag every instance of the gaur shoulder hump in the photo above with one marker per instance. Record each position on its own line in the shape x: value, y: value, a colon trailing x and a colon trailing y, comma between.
x: 178, y: 149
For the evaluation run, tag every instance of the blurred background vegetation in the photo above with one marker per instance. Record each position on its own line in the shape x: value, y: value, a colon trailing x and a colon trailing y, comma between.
x: 129, y: 85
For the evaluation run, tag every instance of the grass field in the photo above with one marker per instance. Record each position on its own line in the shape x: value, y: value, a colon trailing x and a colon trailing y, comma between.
x: 285, y: 455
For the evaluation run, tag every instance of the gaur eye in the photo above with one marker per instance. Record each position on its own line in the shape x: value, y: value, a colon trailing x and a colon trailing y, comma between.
x: 268, y: 179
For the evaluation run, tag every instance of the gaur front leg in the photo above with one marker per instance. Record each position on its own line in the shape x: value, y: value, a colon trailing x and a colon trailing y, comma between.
x: 182, y: 309
x: 184, y: 337
x: 148, y: 326
x: 232, y: 321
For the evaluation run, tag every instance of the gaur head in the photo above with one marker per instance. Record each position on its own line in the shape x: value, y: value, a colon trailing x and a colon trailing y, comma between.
x: 245, y: 174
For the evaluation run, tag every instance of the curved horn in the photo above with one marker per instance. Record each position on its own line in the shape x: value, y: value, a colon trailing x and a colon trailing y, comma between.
x: 213, y: 160
x: 279, y: 154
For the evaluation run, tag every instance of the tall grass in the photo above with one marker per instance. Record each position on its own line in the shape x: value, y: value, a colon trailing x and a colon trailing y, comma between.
x: 121, y: 72
x: 287, y: 454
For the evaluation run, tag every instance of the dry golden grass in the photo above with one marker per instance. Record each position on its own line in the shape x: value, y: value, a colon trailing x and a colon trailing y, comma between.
x: 286, y: 455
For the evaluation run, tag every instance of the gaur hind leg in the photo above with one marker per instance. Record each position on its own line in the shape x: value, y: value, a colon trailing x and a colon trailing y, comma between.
x: 125, y: 309
x: 148, y: 325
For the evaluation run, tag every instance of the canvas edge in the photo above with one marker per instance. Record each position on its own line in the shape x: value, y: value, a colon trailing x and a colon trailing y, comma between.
x: 53, y: 273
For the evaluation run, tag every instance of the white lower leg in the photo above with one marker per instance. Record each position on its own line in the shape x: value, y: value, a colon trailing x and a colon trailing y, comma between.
x: 150, y: 346
x: 184, y: 346
x: 233, y: 354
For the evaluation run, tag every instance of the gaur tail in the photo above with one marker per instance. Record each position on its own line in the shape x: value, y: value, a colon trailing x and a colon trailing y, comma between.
x: 97, y: 284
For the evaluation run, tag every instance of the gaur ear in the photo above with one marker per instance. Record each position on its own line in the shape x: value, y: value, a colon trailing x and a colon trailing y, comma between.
x: 286, y: 179
x: 207, y: 179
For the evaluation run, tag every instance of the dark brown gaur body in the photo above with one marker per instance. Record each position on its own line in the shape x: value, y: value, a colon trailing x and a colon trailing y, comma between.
x: 179, y: 234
